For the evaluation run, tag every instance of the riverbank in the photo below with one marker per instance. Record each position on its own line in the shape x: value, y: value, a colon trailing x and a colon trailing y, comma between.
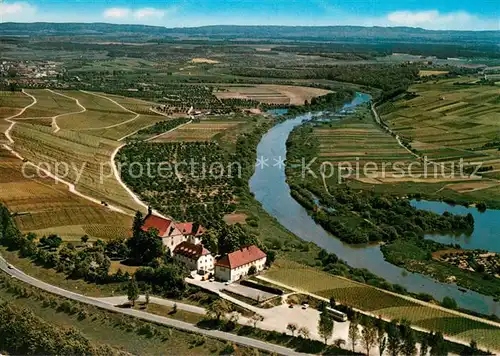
x: 271, y: 190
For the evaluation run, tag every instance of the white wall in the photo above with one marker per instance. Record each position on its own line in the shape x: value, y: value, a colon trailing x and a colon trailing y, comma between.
x: 225, y: 274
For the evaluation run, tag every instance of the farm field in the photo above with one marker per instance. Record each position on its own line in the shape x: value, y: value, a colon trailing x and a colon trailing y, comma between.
x: 271, y: 94
x: 82, y: 157
x: 48, y: 105
x: 446, y: 122
x: 86, y: 157
x: 45, y: 207
x: 200, y: 131
x: 10, y: 104
x: 365, y: 153
x: 100, y: 113
x: 379, y: 302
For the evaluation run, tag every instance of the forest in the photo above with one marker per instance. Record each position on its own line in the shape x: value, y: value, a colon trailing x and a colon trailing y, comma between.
x: 385, y: 77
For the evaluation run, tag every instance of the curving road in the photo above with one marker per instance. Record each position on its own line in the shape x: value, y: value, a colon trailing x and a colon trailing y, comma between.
x: 241, y: 340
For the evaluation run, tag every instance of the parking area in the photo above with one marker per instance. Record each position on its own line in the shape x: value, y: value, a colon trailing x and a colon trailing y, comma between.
x: 252, y: 293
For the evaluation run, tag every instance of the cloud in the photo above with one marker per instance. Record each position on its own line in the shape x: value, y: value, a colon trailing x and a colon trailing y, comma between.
x: 116, y: 12
x: 140, y: 15
x: 149, y: 12
x: 16, y: 11
x: 433, y: 19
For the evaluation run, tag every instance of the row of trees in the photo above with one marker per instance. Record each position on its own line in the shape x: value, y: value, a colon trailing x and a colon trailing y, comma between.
x: 384, y: 76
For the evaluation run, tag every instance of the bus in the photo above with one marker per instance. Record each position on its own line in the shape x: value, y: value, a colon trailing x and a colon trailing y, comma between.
x: 336, y: 315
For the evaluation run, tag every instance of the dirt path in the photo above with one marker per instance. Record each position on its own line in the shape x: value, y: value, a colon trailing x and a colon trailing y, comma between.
x: 54, y: 118
x: 71, y: 186
x: 12, y: 123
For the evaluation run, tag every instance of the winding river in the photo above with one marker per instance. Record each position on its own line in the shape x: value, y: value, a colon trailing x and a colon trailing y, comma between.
x: 271, y: 190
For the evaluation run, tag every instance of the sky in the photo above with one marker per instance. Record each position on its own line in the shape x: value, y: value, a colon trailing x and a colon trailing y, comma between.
x: 429, y: 14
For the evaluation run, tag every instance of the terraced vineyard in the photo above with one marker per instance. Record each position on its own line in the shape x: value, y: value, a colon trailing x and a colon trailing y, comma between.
x: 45, y: 207
x: 446, y: 121
x: 10, y: 104
x: 48, y: 105
x: 202, y: 131
x: 379, y: 302
x: 100, y: 113
x: 76, y: 142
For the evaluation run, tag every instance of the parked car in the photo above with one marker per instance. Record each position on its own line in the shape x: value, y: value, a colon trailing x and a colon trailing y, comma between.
x: 305, y: 306
x: 211, y: 279
x: 290, y: 306
x: 9, y: 266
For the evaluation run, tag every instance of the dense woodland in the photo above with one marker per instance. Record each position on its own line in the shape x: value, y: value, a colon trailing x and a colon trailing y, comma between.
x: 386, y: 77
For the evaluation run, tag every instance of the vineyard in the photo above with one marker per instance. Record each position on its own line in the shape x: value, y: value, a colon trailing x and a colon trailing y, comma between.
x: 448, y: 120
x: 45, y: 207
x: 270, y: 94
x: 202, y: 131
x: 87, y: 158
x: 10, y: 104
x: 382, y: 303
x: 100, y: 113
x: 48, y: 105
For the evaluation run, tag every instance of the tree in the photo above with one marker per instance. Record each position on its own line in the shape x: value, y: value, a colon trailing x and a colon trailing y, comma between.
x: 325, y: 327
x: 255, y: 318
x: 218, y: 308
x: 381, y: 338
x: 292, y: 327
x: 449, y: 302
x: 437, y: 344
x: 304, y: 332
x: 252, y: 270
x: 145, y: 246
x: 210, y: 241
x: 394, y: 339
x: 353, y: 332
x: 408, y: 337
x: 132, y: 291
x: 424, y: 346
x: 271, y: 257
x: 138, y: 222
x: 369, y: 334
x: 147, y: 292
x: 84, y: 239
x: 332, y: 302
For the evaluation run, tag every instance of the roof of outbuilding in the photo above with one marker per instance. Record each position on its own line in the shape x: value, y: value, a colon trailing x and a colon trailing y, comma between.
x: 241, y: 257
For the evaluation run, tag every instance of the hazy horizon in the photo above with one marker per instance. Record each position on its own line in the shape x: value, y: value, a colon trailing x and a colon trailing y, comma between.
x: 425, y: 14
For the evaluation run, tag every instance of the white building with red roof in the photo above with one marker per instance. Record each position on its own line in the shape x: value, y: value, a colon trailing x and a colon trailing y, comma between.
x: 235, y: 265
x: 172, y: 233
x: 194, y: 256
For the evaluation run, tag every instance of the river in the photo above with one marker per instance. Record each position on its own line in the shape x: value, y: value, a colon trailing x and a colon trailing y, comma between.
x: 486, y: 234
x: 270, y: 188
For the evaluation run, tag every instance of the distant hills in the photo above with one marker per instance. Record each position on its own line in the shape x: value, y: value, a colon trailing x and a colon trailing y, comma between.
x: 219, y: 32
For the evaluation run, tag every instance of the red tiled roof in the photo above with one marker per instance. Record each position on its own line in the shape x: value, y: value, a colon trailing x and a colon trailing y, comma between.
x: 187, y: 229
x: 161, y: 224
x: 241, y: 257
x: 190, y: 250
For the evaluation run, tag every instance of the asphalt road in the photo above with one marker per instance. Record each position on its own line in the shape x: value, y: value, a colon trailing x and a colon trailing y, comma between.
x: 240, y: 340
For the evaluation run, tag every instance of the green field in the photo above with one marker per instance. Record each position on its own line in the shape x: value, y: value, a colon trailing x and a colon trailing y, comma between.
x: 446, y: 121
x: 379, y: 302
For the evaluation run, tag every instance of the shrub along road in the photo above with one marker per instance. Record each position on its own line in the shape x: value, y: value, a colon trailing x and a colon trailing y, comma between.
x: 241, y: 340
